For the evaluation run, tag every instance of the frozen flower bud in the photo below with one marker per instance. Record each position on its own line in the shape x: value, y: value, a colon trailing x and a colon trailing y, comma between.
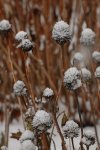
x: 88, y: 138
x: 97, y: 72
x: 5, y: 26
x: 77, y: 58
x: 71, y: 129
x: 20, y: 36
x: 87, y: 37
x: 28, y: 145
x: 26, y: 45
x: 42, y: 120
x: 4, y: 148
x: 72, y: 78
x: 96, y: 56
x: 19, y: 88
x: 86, y: 75
x: 27, y: 135
x: 61, y: 32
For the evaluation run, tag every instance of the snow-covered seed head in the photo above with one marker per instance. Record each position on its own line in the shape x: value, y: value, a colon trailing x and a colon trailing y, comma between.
x: 4, y: 148
x: 20, y: 36
x: 26, y: 45
x: 27, y: 135
x: 42, y: 120
x: 48, y: 92
x: 77, y: 58
x: 28, y: 145
x: 19, y: 88
x: 97, y: 72
x: 87, y: 37
x: 5, y: 26
x: 86, y: 75
x: 71, y: 129
x: 96, y: 56
x: 61, y: 32
x: 72, y: 78
x: 88, y: 138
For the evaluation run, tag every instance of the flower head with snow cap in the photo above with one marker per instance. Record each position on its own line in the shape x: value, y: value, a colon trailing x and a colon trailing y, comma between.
x: 97, y: 72
x: 27, y: 135
x: 61, y: 32
x: 19, y: 88
x: 28, y: 145
x: 42, y: 120
x: 87, y: 37
x: 5, y: 26
x: 47, y: 95
x: 96, y: 56
x: 71, y: 129
x: 72, y: 78
x: 78, y: 57
x: 86, y: 75
x: 20, y: 36
x: 88, y: 138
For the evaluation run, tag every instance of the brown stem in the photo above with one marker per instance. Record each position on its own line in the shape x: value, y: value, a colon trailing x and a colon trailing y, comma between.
x: 72, y: 143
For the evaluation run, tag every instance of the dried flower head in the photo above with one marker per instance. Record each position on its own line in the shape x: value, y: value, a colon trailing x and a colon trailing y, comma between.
x: 97, y: 72
x: 20, y: 36
x: 96, y: 56
x: 4, y: 148
x: 87, y: 37
x: 61, y: 32
x: 88, y: 138
x: 48, y: 92
x: 28, y: 145
x: 26, y: 45
x: 86, y: 75
x: 42, y: 120
x: 19, y: 88
x: 71, y: 129
x: 27, y: 135
x: 77, y: 59
x: 72, y: 78
x: 5, y: 26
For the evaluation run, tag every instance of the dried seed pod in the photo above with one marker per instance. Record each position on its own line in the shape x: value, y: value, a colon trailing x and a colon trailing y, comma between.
x: 5, y: 26
x: 86, y: 75
x: 96, y: 56
x: 20, y: 36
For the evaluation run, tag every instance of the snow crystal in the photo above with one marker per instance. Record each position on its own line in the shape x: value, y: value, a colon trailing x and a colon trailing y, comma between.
x: 61, y: 32
x: 19, y: 88
x: 5, y: 25
x: 97, y: 72
x: 86, y: 74
x: 42, y: 120
x: 20, y: 36
x: 87, y: 37
x: 96, y: 56
x: 72, y: 78
x: 71, y: 129
x: 27, y: 135
x: 28, y: 145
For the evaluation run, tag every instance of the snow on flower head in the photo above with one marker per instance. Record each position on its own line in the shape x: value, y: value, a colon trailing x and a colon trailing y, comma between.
x: 19, y: 88
x: 72, y: 78
x: 96, y: 56
x: 87, y: 37
x: 78, y: 57
x: 48, y: 92
x: 4, y: 148
x: 42, y: 120
x: 28, y: 145
x: 26, y: 45
x: 5, y: 25
x: 71, y: 129
x: 86, y: 74
x: 88, y: 138
x: 20, y: 36
x: 27, y: 135
x: 97, y: 72
x: 61, y: 32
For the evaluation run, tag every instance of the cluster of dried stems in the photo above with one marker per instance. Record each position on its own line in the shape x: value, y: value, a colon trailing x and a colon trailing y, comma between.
x: 43, y: 68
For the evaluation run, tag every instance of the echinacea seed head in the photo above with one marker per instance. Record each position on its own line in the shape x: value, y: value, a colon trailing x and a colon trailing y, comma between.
x: 61, y: 32
x: 48, y: 92
x: 86, y: 75
x: 20, y: 36
x: 96, y: 56
x: 88, y: 138
x: 77, y: 58
x: 87, y: 37
x: 72, y: 78
x: 19, y: 88
x: 28, y: 145
x: 97, y: 72
x: 42, y: 121
x: 27, y: 135
x: 71, y: 129
x: 26, y: 45
x: 5, y: 25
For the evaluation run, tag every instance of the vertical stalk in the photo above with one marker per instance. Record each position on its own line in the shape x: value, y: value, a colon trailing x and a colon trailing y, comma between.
x: 72, y: 143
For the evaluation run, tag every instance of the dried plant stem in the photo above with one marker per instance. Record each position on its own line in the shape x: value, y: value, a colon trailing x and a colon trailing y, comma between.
x: 45, y: 142
x: 87, y: 147
x: 72, y: 143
